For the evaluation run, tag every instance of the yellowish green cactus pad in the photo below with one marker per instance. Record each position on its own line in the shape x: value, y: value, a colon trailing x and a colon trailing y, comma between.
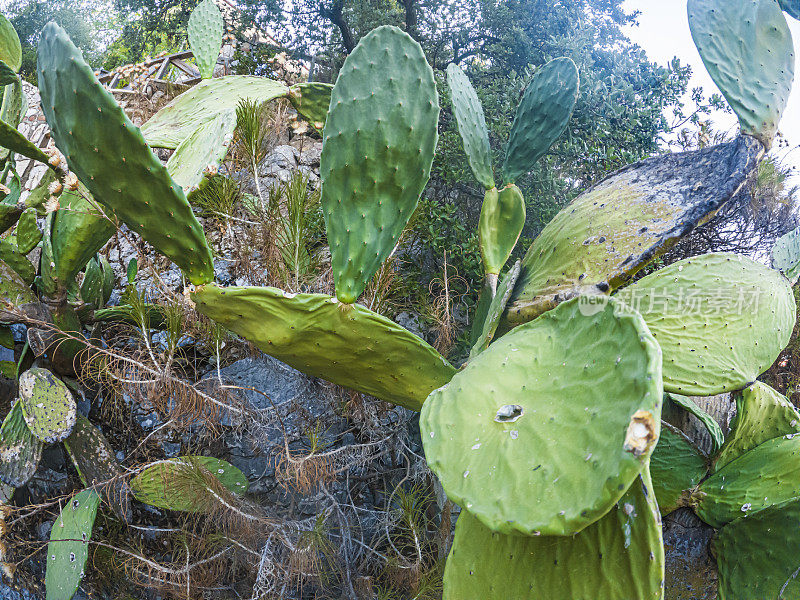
x: 676, y: 466
x: 542, y: 433
x: 13, y: 290
x: 20, y: 450
x: 205, y: 30
x: 619, y: 557
x: 47, y: 405
x: 501, y: 222
x: 495, y: 310
x: 346, y: 344
x: 10, y: 47
x: 311, y: 101
x: 721, y: 320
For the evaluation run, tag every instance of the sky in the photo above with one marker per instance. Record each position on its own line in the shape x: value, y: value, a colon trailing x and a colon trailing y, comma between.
x: 663, y: 32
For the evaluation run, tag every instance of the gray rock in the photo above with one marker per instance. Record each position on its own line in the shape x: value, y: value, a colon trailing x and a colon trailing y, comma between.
x: 223, y: 270
x: 412, y: 322
x: 171, y: 449
x: 9, y: 593
x: 311, y: 154
x: 691, y: 572
x: 282, y: 157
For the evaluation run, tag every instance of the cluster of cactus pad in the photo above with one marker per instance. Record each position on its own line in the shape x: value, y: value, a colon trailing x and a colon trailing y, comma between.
x: 550, y: 437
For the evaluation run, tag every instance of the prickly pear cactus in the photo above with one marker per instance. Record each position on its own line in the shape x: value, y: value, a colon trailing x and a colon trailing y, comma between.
x: 10, y: 47
x: 786, y: 255
x: 556, y: 418
x: 311, y: 101
x: 757, y: 556
x: 711, y: 425
x: 47, y: 405
x: 345, y: 344
x: 13, y: 289
x: 541, y: 117
x: 747, y: 49
x: 108, y: 154
x: 621, y: 556
x: 495, y: 311
x: 10, y: 255
x: 471, y: 125
x: 601, y: 239
x: 69, y: 545
x: 791, y: 7
x: 761, y: 415
x: 205, y: 102
x: 175, y: 484
x: 766, y: 475
x: 20, y: 450
x: 16, y: 142
x: 377, y: 153
x: 676, y: 466
x: 501, y: 222
x: 721, y: 320
x: 200, y: 154
x: 205, y: 30
x: 27, y: 233
x: 9, y: 215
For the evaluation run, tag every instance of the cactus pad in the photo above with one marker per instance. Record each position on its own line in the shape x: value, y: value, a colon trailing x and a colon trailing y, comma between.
x: 69, y: 545
x: 16, y: 142
x: 747, y: 49
x: 10, y: 47
x: 201, y: 153
x: 762, y: 414
x: 541, y: 117
x: 311, y: 101
x: 495, y: 311
x: 205, y: 102
x: 11, y: 256
x: 47, y: 405
x: 612, y: 230
x: 721, y: 320
x: 556, y: 418
x: 27, y: 232
x: 501, y: 222
x: 757, y: 556
x: 205, y: 30
x: 174, y: 484
x: 621, y: 556
x: 20, y: 450
x: 471, y: 125
x: 108, y: 154
x: 345, y: 344
x: 676, y: 466
x: 766, y: 475
x: 791, y: 7
x: 377, y: 153
x: 786, y: 255
x: 711, y: 425
x: 9, y: 215
x: 13, y: 289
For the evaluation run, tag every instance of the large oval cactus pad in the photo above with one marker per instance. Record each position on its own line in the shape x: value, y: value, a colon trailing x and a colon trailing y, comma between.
x: 345, y: 344
x: 10, y: 47
x: 20, y: 450
x: 786, y: 255
x: 762, y: 414
x: 612, y: 230
x: 676, y: 467
x: 471, y: 125
x: 47, y: 404
x: 204, y: 102
x: 721, y: 320
x: 69, y: 545
x: 377, y: 153
x: 747, y: 49
x: 620, y: 557
x: 205, y: 31
x: 108, y: 154
x: 544, y: 431
x: 541, y: 117
x: 757, y: 556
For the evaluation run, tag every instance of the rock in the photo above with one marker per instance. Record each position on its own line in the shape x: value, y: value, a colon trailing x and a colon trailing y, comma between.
x: 310, y: 154
x: 691, y: 572
x: 223, y: 270
x: 9, y: 593
x: 412, y: 322
x: 281, y: 158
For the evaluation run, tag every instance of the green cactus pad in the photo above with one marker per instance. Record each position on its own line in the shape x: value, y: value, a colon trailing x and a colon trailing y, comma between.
x: 205, y: 30
x: 757, y: 556
x: 14, y: 107
x: 9, y: 215
x: 205, y: 102
x: 98, y: 282
x: 612, y: 230
x: 170, y: 484
x: 496, y: 310
x: 762, y: 414
x: 556, y: 418
x: 501, y: 222
x: 202, y: 151
x: 766, y: 475
x: 747, y: 49
x: 619, y: 557
x: 27, y: 232
x: 108, y: 154
x: 786, y: 255
x: 13, y: 140
x: 69, y: 545
x: 541, y: 117
x: 711, y: 425
x: 47, y: 405
x: 20, y: 450
x: 345, y: 344
x: 471, y: 125
x: 676, y: 466
x: 791, y: 7
x: 11, y: 257
x: 311, y: 101
x: 7, y: 74
x: 10, y: 47
x: 13, y: 290
x: 721, y: 320
x: 377, y: 153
